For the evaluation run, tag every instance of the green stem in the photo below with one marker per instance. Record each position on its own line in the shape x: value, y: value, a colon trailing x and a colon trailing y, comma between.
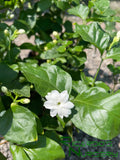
x: 61, y: 121
x: 114, y: 84
x: 97, y: 73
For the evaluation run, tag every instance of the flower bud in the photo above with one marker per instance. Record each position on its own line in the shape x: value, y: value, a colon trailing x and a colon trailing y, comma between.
x: 11, y: 16
x: 31, y: 86
x: 22, y: 1
x: 6, y: 32
x: 54, y: 41
x: 55, y: 33
x: 24, y: 101
x: 45, y: 48
x: 21, y: 31
x: 22, y: 79
x: 4, y: 89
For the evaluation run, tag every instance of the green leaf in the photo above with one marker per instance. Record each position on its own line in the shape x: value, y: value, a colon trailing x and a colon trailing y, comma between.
x: 19, y: 89
x: 47, y: 78
x: 80, y: 11
x: 29, y: 16
x: 3, y: 26
x: 4, y: 40
x: 21, y: 24
x: 76, y: 49
x: 102, y: 85
x: 1, y: 105
x: 53, y: 135
x: 79, y: 86
x: 94, y: 34
x: 18, y: 153
x: 52, y: 53
x: 5, y: 121
x: 61, y: 49
x: 115, y: 70
x: 29, y: 46
x: 43, y: 5
x: 114, y: 53
x: 43, y: 149
x: 63, y: 5
x: 101, y: 6
x: 6, y: 73
x: 12, y: 55
x: 23, y: 128
x: 48, y: 122
x: 98, y: 113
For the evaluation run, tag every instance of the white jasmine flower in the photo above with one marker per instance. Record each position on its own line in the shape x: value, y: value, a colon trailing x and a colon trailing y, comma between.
x: 118, y: 34
x: 58, y: 103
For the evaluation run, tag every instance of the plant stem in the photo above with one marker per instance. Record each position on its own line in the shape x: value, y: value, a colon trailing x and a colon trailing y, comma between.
x: 61, y: 121
x: 114, y: 84
x: 97, y: 73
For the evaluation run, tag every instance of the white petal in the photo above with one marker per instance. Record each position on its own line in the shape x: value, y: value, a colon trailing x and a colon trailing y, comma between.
x: 54, y: 95
x: 53, y: 113
x: 64, y: 96
x: 68, y: 105
x: 49, y: 105
x: 64, y: 112
x: 67, y: 113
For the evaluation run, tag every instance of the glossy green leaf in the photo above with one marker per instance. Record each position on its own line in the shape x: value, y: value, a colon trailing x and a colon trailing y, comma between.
x: 18, y: 153
x: 12, y: 55
x: 23, y: 128
x: 98, y: 113
x: 29, y: 46
x: 21, y: 90
x: 114, y: 53
x: 101, y: 6
x: 80, y: 11
x: 29, y: 16
x: 102, y: 85
x: 43, y: 5
x: 52, y: 53
x: 47, y: 77
x: 61, y: 49
x: 43, y: 149
x: 6, y: 73
x: 5, y: 121
x: 79, y: 86
x: 94, y: 34
x: 48, y: 122
x: 63, y: 5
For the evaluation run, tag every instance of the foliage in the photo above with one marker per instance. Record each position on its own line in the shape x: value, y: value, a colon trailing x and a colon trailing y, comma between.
x: 57, y: 63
